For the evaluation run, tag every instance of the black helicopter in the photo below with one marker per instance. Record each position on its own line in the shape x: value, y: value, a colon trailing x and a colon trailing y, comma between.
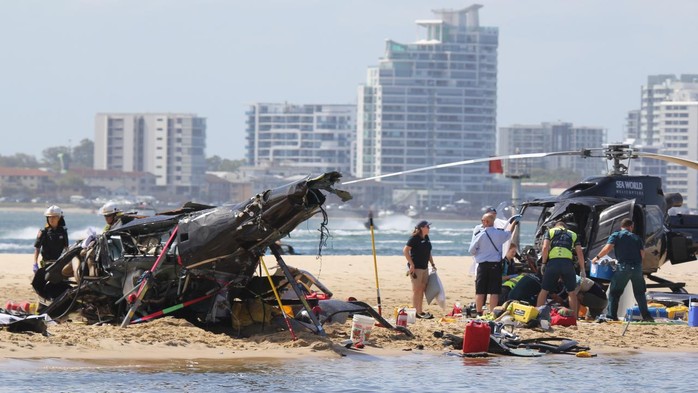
x: 595, y: 207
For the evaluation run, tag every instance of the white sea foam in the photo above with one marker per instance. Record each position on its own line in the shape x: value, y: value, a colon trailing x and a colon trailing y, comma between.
x: 26, y: 233
x: 14, y: 247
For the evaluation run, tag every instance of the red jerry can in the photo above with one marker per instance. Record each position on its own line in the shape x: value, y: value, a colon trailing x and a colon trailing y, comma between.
x: 476, y: 337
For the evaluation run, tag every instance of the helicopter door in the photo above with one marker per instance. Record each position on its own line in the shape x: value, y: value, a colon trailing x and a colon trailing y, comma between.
x: 609, y: 222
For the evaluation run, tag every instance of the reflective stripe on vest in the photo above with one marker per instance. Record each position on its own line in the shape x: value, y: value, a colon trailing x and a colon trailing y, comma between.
x: 512, y: 281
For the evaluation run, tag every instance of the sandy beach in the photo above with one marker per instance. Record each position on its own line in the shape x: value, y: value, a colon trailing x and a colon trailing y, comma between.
x: 345, y: 276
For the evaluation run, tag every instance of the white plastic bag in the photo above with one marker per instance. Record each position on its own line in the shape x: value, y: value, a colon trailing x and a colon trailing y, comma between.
x: 435, y: 290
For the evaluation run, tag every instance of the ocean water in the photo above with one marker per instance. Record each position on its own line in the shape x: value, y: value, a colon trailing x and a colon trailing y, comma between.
x: 347, y: 236
x: 360, y: 372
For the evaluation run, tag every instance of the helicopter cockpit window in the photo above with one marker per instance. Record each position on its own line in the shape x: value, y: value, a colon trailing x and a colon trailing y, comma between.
x: 529, y: 225
x: 653, y: 219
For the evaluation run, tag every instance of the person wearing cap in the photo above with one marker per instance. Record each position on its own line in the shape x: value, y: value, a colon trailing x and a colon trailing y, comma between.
x: 486, y: 249
x: 52, y: 240
x: 417, y: 251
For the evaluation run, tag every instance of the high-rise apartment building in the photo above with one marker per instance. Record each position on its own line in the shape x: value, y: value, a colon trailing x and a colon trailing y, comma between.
x: 668, y: 126
x: 169, y: 145
x: 658, y: 89
x: 431, y: 102
x: 303, y: 138
x: 677, y: 125
x: 549, y: 137
x: 632, y: 125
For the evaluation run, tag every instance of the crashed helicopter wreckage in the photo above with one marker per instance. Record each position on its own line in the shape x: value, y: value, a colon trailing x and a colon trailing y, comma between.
x: 196, y: 257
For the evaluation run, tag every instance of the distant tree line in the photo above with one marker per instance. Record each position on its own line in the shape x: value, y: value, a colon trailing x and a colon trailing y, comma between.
x: 217, y: 164
x: 82, y: 156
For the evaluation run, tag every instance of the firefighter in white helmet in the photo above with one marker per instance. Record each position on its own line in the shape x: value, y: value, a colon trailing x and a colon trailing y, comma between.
x: 112, y: 215
x: 52, y: 240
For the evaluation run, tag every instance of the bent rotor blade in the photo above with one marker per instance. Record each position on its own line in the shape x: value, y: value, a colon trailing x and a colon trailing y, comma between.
x: 674, y: 160
x: 475, y: 161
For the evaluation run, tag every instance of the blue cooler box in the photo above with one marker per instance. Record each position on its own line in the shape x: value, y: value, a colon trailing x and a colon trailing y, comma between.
x: 655, y: 312
x: 603, y: 271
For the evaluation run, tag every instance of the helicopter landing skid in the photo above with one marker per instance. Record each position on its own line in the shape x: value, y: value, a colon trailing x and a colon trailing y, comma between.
x: 676, y: 287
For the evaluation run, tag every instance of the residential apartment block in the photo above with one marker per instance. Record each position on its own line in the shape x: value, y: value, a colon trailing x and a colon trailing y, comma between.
x: 430, y: 102
x: 668, y: 125
x: 303, y: 139
x: 660, y: 88
x: 551, y: 137
x: 168, y: 145
x: 677, y: 126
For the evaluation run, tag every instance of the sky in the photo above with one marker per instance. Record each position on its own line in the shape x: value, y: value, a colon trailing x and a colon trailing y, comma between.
x: 63, y: 61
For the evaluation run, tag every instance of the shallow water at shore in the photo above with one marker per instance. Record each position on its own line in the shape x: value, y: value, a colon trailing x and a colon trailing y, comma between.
x: 359, y: 372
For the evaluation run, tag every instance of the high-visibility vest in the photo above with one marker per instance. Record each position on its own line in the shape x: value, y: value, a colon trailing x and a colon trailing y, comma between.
x: 561, y: 243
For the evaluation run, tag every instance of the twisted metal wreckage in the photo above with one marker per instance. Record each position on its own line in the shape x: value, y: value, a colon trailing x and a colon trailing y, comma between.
x: 198, y: 260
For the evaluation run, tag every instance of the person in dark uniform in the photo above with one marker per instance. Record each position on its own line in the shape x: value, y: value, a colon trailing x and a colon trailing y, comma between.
x: 52, y: 240
x: 524, y: 287
x: 559, y: 247
x: 629, y: 249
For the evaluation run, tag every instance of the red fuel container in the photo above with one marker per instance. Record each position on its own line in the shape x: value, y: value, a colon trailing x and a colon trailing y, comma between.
x: 476, y: 337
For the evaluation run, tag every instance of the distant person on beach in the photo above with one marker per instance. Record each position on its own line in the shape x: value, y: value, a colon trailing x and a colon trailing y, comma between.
x: 417, y: 251
x: 629, y: 249
x: 52, y: 240
x: 486, y: 248
x: 559, y: 246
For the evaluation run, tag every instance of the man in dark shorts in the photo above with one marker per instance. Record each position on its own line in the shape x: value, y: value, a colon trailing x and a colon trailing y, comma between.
x: 486, y: 249
x: 557, y: 257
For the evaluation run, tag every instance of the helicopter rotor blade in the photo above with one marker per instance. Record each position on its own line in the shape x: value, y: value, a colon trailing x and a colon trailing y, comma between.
x: 583, y: 153
x: 671, y: 159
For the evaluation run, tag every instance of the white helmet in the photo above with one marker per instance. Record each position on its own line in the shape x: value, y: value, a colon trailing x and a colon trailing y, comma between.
x: 109, y: 208
x: 53, y: 211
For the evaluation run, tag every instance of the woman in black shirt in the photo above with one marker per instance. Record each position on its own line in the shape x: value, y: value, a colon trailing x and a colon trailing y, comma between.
x: 417, y: 251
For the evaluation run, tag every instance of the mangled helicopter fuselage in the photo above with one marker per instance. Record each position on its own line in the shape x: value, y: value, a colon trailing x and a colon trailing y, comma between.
x: 196, y: 251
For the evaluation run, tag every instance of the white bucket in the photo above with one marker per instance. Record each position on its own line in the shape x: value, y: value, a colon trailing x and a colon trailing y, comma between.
x: 361, y: 326
x: 411, y: 315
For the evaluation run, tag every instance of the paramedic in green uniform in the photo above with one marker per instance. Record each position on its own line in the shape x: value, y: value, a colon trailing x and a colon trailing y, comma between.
x: 629, y: 249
